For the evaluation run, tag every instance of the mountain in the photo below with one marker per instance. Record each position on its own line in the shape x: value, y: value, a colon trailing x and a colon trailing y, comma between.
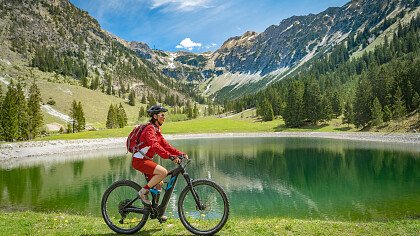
x: 56, y: 37
x: 245, y: 64
x: 282, y: 49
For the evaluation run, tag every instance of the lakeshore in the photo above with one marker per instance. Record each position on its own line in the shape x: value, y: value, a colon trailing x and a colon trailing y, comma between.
x: 10, y: 151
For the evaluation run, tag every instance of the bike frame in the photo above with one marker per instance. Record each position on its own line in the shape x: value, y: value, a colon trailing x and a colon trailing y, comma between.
x: 157, y: 210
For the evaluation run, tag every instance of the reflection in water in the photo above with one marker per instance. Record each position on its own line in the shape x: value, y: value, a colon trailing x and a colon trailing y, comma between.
x: 286, y: 177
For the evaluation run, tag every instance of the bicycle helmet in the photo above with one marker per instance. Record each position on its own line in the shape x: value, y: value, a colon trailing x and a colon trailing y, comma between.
x: 156, y: 109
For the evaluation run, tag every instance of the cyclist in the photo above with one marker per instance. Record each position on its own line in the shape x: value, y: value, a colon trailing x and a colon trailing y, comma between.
x: 154, y: 143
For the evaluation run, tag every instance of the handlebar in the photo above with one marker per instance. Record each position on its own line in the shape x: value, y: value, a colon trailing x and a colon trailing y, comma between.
x: 184, y: 161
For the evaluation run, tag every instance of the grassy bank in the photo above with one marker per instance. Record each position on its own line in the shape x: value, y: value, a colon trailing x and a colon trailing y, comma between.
x: 206, y: 125
x: 30, y: 223
x: 244, y: 122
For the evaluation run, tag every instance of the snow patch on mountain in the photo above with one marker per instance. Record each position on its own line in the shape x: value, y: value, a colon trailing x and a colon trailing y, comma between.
x: 4, y: 81
x: 54, y: 112
x: 66, y: 90
x: 171, y: 64
x: 207, y: 89
x: 291, y: 26
x: 5, y: 61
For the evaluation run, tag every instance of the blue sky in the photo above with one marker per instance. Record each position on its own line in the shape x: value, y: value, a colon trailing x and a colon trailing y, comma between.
x: 194, y: 25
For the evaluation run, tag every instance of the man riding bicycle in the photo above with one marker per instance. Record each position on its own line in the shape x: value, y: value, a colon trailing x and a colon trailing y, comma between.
x: 153, y: 143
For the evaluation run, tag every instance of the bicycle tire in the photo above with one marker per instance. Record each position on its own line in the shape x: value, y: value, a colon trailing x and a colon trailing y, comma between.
x: 210, y: 220
x: 113, y: 199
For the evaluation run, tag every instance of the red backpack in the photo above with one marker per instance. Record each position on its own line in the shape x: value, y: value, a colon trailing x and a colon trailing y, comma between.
x: 133, y: 139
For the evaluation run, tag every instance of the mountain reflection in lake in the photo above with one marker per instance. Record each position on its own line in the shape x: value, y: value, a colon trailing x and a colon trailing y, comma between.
x: 265, y: 177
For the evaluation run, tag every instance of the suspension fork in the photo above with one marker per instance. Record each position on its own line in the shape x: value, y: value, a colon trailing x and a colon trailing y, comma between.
x: 193, y: 192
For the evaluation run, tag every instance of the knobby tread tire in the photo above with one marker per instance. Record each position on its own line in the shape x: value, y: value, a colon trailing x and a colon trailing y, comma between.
x: 182, y: 216
x: 120, y: 183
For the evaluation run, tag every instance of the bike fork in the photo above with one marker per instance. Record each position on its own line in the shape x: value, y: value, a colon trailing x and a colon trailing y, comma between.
x: 194, y: 193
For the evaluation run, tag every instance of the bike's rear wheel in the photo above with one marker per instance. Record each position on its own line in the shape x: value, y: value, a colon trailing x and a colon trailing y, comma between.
x: 114, y: 202
x: 214, y: 214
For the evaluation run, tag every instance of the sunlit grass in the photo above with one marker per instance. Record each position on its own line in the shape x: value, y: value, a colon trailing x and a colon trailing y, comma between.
x: 31, y: 223
x: 213, y: 124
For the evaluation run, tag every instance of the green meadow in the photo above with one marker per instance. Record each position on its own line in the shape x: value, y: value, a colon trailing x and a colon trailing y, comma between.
x: 213, y: 124
x: 32, y: 223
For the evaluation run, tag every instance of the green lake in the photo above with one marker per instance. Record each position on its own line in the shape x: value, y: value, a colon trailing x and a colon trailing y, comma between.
x: 284, y: 177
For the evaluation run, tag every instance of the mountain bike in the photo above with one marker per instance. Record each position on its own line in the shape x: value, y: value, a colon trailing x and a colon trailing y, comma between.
x: 203, y: 206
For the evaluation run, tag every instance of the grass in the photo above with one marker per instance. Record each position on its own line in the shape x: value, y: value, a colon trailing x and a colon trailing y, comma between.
x: 233, y: 124
x: 32, y: 223
x: 244, y: 122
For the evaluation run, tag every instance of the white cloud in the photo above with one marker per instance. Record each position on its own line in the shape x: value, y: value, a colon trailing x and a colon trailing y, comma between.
x: 187, y: 43
x: 181, y: 5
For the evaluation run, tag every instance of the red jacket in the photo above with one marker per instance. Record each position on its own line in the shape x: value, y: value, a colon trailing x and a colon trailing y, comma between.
x: 152, y: 137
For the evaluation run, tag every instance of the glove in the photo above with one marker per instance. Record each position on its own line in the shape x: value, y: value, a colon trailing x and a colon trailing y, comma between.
x: 175, y: 159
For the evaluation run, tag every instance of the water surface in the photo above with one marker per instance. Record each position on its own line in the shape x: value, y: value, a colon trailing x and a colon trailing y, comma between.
x: 264, y: 177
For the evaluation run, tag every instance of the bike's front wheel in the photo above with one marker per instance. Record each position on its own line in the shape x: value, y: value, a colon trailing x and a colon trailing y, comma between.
x: 210, y: 214
x: 121, y: 209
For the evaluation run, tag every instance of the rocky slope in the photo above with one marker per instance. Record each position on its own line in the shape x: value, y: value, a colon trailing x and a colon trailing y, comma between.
x: 249, y: 62
x: 55, y: 36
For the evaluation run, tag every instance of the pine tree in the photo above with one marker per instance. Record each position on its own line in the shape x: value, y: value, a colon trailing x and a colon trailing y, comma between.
x: 416, y: 101
x: 110, y: 118
x: 142, y: 113
x: 387, y: 114
x: 81, y: 121
x: 84, y: 82
x: 195, y: 111
x: 313, y: 101
x: 210, y: 109
x: 132, y: 98
x: 1, y: 113
x: 152, y: 101
x: 348, y: 114
x: 69, y: 128
x: 10, y: 121
x: 377, y: 115
x: 122, y: 117
x: 399, y: 106
x: 73, y: 114
x: 77, y: 116
x: 337, y: 106
x: 361, y: 107
x: 23, y: 132
x: 294, y: 110
x: 189, y: 110
x: 267, y: 112
x: 416, y: 104
x: 326, y: 109
x: 34, y: 111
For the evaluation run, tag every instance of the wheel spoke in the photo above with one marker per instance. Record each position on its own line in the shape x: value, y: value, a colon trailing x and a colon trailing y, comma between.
x: 113, y: 204
x: 212, y: 218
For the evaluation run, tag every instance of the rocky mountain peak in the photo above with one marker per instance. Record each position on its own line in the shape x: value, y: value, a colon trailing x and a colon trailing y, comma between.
x: 142, y: 49
x: 246, y: 39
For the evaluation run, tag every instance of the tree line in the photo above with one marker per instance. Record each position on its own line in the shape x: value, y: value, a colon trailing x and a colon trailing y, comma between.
x: 20, y: 117
x: 78, y: 122
x: 378, y: 86
x: 116, y: 118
